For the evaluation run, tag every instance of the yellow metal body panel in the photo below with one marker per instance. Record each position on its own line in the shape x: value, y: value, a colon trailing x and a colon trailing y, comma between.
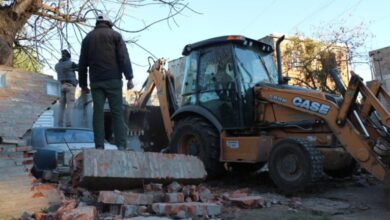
x: 245, y: 149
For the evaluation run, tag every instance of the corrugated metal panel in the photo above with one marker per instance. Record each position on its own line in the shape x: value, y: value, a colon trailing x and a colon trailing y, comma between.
x: 45, y: 120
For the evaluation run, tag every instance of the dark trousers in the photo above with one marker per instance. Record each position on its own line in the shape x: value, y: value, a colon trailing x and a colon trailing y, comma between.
x: 111, y: 90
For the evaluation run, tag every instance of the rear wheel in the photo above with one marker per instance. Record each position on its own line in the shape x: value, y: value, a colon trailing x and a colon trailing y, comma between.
x: 195, y: 136
x: 294, y: 165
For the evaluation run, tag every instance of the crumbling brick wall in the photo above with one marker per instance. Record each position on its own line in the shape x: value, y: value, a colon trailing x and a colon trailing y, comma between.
x: 23, y: 97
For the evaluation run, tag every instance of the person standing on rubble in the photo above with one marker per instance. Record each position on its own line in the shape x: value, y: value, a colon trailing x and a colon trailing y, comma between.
x: 104, y: 52
x: 65, y: 69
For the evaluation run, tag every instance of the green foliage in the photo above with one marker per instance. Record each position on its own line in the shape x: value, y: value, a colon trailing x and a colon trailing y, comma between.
x: 26, y: 59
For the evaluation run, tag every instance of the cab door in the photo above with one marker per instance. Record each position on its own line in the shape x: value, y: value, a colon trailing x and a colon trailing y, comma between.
x: 217, y: 87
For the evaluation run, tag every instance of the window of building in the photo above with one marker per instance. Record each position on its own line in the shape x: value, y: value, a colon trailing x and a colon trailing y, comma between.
x: 2, y: 80
x: 52, y: 88
x: 295, y: 61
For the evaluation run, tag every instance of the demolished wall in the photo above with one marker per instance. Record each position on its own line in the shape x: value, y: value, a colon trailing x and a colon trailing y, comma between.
x: 23, y: 97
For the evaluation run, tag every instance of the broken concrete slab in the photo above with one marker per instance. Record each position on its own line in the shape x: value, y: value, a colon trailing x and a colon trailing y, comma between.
x: 112, y: 169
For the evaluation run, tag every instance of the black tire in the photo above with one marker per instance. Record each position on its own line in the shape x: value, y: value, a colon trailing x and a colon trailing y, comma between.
x: 195, y: 136
x: 294, y: 165
x: 344, y: 172
x: 37, y: 174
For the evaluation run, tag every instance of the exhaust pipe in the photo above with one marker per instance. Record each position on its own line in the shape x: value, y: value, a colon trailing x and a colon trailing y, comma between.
x: 279, y: 60
x: 336, y: 78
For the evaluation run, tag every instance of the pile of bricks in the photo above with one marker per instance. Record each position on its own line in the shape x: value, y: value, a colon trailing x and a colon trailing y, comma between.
x: 19, y: 191
x: 174, y: 200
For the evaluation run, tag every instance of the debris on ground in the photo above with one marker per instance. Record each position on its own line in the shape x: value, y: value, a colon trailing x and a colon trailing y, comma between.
x: 19, y: 191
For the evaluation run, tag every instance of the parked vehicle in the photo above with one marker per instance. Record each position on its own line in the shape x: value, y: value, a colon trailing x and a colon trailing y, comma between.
x: 55, y: 147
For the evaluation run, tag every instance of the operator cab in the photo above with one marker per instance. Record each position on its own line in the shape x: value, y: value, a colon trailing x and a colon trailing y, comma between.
x: 220, y: 74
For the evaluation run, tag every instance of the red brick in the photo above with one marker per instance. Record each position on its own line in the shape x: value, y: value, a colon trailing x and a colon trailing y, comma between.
x: 41, y: 216
x: 67, y: 206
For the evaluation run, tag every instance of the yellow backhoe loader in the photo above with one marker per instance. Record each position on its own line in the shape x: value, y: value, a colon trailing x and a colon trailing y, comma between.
x: 237, y: 108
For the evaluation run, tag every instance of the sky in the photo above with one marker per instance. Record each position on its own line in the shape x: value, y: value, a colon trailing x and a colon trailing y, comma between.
x: 254, y: 19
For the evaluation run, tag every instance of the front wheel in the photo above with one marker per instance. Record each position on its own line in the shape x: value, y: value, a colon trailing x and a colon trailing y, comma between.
x: 195, y: 136
x: 294, y: 165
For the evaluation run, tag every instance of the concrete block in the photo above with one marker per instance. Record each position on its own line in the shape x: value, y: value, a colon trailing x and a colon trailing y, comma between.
x: 191, y: 209
x: 174, y: 187
x: 111, y: 197
x: 126, y: 198
x: 138, y: 198
x: 106, y: 169
x: 204, y: 194
x: 174, y: 197
x: 157, y: 196
x: 128, y: 211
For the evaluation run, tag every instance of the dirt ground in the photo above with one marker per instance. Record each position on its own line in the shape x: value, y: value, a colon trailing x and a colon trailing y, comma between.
x: 357, y: 197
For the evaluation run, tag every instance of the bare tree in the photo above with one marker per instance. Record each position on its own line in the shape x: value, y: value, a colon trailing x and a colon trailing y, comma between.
x: 310, y: 61
x: 46, y: 26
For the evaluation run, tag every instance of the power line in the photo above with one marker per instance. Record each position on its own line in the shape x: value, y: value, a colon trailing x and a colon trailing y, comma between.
x: 258, y: 16
x: 353, y: 7
x: 315, y: 12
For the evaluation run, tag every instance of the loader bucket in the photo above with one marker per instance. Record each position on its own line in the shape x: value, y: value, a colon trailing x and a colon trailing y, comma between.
x: 146, y: 127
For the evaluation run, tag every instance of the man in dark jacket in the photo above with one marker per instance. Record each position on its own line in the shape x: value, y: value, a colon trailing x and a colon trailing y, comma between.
x: 104, y: 52
x: 65, y: 69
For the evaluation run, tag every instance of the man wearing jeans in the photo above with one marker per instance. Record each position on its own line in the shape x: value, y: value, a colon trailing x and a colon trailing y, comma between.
x: 66, y: 76
x: 104, y: 52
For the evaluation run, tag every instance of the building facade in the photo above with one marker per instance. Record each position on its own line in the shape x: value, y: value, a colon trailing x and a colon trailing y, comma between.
x: 308, y: 62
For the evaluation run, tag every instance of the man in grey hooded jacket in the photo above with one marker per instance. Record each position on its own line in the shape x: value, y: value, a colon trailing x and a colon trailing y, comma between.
x: 65, y: 69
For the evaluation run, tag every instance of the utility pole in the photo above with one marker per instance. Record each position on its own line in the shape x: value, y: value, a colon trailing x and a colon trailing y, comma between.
x: 379, y: 64
x: 376, y: 58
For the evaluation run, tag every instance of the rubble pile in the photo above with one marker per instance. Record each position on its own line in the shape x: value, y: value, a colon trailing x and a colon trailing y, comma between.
x: 155, y: 199
x: 174, y: 200
x: 19, y: 191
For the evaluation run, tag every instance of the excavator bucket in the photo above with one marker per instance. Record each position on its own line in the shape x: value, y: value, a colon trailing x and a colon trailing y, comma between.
x: 145, y: 128
x: 151, y: 125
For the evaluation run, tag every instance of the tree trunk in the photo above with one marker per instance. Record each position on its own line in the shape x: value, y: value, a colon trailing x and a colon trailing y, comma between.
x: 12, y: 20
